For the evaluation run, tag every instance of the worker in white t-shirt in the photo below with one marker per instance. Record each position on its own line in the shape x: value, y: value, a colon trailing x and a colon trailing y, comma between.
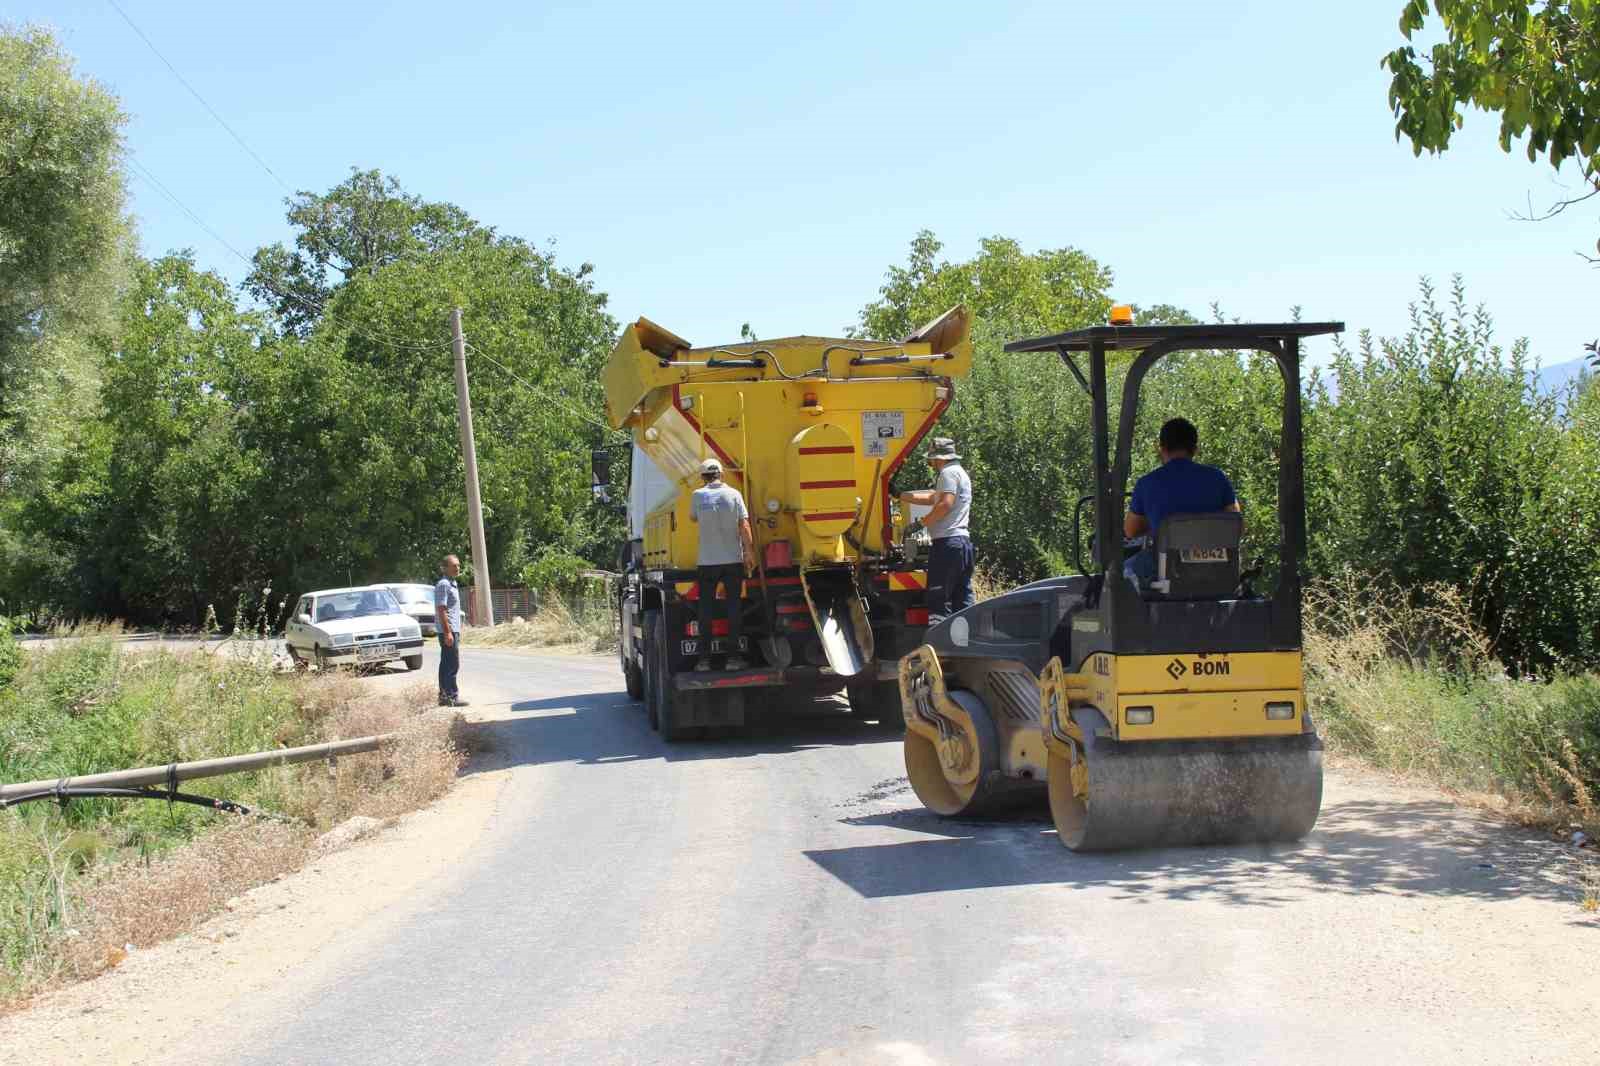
x: 727, y: 553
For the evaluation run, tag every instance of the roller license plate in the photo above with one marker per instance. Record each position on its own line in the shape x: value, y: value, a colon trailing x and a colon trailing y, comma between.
x: 1203, y: 555
x: 375, y: 651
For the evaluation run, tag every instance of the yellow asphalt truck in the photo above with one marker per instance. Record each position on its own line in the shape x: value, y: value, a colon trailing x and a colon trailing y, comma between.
x: 810, y: 430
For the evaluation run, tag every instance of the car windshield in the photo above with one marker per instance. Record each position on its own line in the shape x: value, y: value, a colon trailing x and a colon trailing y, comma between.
x: 359, y: 603
x: 409, y: 594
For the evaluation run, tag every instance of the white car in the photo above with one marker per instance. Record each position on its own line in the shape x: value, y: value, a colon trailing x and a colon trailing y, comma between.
x: 417, y: 601
x: 361, y: 626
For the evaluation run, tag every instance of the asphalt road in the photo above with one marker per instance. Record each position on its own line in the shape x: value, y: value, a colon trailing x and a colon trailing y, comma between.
x: 782, y: 898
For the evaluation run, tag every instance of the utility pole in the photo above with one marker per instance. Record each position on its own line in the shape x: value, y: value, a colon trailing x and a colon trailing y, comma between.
x: 469, y: 451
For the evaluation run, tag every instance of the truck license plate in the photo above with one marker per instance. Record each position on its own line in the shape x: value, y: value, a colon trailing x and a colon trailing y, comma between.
x: 719, y: 646
x: 375, y: 651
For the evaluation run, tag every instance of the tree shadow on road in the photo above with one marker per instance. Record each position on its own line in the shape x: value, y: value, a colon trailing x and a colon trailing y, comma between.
x: 1400, y: 847
x: 608, y: 727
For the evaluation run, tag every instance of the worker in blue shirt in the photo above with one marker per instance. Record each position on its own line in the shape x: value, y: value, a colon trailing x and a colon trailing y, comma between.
x: 1178, y: 486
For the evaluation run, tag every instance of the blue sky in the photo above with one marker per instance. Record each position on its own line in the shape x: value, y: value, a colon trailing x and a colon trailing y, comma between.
x: 765, y: 163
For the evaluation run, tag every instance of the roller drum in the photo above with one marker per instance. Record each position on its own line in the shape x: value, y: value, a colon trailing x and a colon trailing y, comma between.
x: 1143, y: 794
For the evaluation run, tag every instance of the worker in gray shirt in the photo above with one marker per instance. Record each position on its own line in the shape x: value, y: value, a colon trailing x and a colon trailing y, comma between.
x: 951, y: 561
x: 727, y: 553
x: 447, y: 615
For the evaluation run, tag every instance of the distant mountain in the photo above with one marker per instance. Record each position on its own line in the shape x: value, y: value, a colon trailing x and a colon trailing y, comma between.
x: 1548, y: 381
x: 1553, y: 379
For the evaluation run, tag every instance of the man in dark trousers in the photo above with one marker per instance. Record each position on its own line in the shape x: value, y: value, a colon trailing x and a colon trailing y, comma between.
x: 951, y: 561
x: 1178, y: 486
x: 726, y: 554
x: 447, y: 611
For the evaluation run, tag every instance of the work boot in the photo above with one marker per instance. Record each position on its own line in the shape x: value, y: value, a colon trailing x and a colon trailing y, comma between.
x: 702, y: 665
x: 736, y: 662
x: 452, y: 701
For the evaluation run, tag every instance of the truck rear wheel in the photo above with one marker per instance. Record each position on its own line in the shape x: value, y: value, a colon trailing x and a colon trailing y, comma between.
x: 665, y: 709
x: 879, y: 701
x: 648, y: 631
x: 632, y: 676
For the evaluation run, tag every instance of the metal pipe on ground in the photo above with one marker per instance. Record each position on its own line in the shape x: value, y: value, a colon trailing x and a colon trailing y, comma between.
x: 151, y: 776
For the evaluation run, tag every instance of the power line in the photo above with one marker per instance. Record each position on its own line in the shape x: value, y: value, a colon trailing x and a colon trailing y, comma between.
x: 319, y: 309
x: 316, y: 308
x: 262, y: 163
x: 559, y: 401
x: 144, y: 172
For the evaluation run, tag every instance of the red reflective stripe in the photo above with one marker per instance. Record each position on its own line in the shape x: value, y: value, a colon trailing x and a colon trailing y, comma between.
x: 795, y: 580
x: 827, y: 484
x: 846, y: 449
x: 753, y: 679
x: 792, y: 608
x: 829, y: 516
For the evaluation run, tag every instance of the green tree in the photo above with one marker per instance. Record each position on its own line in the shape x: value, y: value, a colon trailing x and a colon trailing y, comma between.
x: 224, y: 453
x: 538, y: 336
x: 1537, y: 65
x: 1020, y: 420
x: 368, y: 289
x: 358, y: 227
x: 154, y: 507
x: 1436, y: 460
x: 64, y: 243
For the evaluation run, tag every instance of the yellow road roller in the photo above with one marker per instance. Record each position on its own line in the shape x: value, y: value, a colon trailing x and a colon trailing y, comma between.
x: 1169, y: 714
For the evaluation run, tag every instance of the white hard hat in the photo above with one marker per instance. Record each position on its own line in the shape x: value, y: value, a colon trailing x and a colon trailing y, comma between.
x: 710, y: 466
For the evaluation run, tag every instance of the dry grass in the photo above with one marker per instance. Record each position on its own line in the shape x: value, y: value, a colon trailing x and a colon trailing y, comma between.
x: 1405, y: 681
x: 416, y: 769
x: 587, y: 625
x: 141, y: 904
x: 1569, y: 805
x: 1589, y: 884
x: 77, y: 887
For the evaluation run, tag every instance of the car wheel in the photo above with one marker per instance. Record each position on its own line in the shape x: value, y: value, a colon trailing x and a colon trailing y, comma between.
x: 413, y: 662
x: 320, y: 656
